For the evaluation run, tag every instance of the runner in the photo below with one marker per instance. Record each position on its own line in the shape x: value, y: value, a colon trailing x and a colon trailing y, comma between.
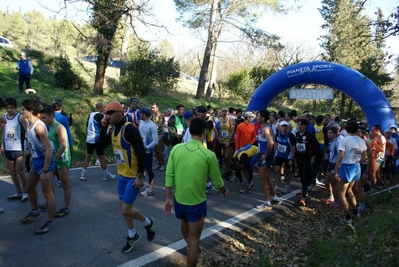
x: 377, y: 144
x: 13, y: 147
x: 148, y: 132
x: 43, y: 166
x: 351, y: 151
x: 265, y: 159
x: 176, y: 126
x: 306, y: 146
x: 285, y: 143
x: 189, y: 199
x: 159, y: 119
x: 227, y: 133
x: 244, y: 159
x: 330, y: 182
x: 130, y: 156
x: 93, y: 126
x: 61, y: 153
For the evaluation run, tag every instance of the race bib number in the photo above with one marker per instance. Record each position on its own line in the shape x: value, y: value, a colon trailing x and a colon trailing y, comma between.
x: 225, y: 134
x: 282, y: 148
x: 301, y: 147
x: 10, y: 135
x: 118, y: 155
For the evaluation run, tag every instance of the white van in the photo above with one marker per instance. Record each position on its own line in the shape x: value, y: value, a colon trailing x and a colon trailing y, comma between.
x: 5, y: 42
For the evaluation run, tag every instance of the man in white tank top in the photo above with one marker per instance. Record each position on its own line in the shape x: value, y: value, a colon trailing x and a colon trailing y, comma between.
x: 43, y: 165
x: 12, y: 148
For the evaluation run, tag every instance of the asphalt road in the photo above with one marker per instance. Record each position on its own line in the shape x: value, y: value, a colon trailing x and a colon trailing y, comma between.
x: 94, y: 231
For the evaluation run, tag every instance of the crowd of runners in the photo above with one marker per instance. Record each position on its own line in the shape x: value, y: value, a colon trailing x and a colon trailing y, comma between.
x: 350, y: 160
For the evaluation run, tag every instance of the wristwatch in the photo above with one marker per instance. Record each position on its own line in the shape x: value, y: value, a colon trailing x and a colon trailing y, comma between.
x: 45, y: 171
x: 140, y: 175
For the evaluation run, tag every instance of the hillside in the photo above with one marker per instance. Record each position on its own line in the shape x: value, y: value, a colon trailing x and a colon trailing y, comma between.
x: 80, y: 103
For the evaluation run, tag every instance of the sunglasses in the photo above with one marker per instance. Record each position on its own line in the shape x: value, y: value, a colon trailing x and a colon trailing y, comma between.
x: 110, y: 112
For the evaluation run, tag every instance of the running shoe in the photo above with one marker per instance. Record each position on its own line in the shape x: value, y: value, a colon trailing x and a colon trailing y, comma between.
x: 157, y: 167
x: 328, y: 201
x: 130, y: 243
x: 150, y: 230
x: 233, y: 179
x: 32, y: 214
x: 24, y: 197
x: 147, y: 192
x: 109, y: 177
x: 42, y: 207
x: 264, y: 206
x: 302, y: 202
x: 275, y: 201
x: 362, y: 210
x: 97, y: 163
x: 15, y: 196
x: 59, y: 184
x: 162, y: 168
x: 61, y: 213
x: 209, y: 188
x: 286, y: 189
x: 1, y: 210
x: 277, y: 189
x: 82, y: 177
x: 282, y: 178
x: 47, y: 227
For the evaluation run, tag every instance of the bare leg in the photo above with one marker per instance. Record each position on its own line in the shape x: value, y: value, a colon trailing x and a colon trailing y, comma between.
x: 63, y: 174
x: 194, y: 234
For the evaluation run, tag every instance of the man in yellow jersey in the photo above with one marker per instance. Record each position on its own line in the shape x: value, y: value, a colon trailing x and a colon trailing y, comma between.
x: 129, y: 155
x: 189, y: 199
x: 227, y: 134
x: 319, y: 134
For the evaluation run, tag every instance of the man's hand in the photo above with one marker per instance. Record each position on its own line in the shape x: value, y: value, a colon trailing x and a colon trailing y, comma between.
x: 138, y: 183
x: 104, y: 122
x: 30, y: 90
x: 3, y: 122
x: 168, y: 206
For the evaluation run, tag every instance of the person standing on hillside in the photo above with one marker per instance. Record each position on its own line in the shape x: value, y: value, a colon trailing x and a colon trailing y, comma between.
x: 189, y: 198
x: 13, y: 147
x: 25, y: 68
x: 130, y: 158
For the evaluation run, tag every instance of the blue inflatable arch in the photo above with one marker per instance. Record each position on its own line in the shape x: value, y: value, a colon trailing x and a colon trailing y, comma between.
x: 362, y: 90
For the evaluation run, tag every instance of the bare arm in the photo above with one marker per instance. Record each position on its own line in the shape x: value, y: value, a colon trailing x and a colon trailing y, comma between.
x: 62, y: 137
x: 42, y: 134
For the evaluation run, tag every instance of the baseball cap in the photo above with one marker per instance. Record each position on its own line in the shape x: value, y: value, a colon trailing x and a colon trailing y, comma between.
x: 188, y: 115
x: 249, y: 114
x: 22, y: 54
x: 283, y: 123
x: 202, y: 109
x: 133, y: 99
x: 146, y: 111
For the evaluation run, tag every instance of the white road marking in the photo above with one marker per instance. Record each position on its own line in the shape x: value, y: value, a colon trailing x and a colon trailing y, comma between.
x: 180, y: 244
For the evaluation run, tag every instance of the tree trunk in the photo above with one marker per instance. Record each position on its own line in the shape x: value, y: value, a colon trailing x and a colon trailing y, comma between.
x: 350, y: 108
x: 210, y: 43
x: 342, y: 105
x: 100, y: 73
x: 204, y: 70
x: 212, y: 78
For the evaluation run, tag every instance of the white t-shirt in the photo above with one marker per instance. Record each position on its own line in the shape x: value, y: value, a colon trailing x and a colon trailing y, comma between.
x: 353, y: 147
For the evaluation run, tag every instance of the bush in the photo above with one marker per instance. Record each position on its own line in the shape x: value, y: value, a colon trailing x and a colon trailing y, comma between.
x: 64, y: 75
x: 146, y: 72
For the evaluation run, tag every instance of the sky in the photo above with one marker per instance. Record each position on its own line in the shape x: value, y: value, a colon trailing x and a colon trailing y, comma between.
x: 300, y: 26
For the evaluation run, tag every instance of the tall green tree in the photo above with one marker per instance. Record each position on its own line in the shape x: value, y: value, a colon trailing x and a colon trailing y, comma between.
x: 217, y: 16
x: 350, y: 41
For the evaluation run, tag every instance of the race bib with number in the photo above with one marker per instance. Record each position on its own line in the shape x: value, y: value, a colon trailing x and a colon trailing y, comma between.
x: 225, y: 134
x: 52, y: 146
x: 10, y: 135
x: 282, y: 148
x: 301, y: 147
x: 118, y: 155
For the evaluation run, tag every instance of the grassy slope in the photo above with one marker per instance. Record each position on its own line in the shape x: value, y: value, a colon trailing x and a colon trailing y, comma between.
x: 81, y: 103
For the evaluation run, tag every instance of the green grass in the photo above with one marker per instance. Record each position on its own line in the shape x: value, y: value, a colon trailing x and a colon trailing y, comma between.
x: 81, y: 103
x: 372, y: 241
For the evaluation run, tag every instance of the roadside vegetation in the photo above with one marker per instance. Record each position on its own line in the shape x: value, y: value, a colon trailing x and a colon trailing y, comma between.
x: 313, y: 236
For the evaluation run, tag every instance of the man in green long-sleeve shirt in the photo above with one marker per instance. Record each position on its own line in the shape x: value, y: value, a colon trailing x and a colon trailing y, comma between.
x: 188, y: 166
